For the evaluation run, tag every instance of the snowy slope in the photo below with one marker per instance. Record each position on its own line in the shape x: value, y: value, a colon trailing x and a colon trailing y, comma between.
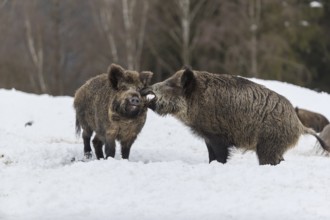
x: 167, y: 177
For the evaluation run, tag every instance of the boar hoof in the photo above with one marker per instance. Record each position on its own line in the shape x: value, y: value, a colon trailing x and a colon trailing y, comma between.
x: 88, y: 155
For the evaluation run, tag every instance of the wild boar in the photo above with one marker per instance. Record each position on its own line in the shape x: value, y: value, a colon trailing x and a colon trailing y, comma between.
x: 229, y: 111
x: 312, y: 119
x: 325, y: 134
x: 111, y: 106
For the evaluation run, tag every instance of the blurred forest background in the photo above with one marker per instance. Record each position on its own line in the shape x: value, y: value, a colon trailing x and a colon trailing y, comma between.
x: 54, y: 46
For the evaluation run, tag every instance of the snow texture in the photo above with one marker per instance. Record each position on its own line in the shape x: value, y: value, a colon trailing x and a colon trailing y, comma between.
x: 167, y: 177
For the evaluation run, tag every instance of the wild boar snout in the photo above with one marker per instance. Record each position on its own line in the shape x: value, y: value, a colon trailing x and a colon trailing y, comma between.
x: 134, y: 100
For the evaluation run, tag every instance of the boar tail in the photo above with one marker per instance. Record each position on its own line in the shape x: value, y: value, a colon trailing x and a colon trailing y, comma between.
x: 78, y: 128
x: 322, y: 143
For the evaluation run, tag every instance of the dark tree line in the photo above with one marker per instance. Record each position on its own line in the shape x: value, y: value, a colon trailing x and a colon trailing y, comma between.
x: 54, y: 46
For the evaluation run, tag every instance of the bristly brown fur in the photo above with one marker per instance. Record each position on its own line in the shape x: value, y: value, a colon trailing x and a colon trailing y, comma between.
x: 111, y: 106
x: 325, y: 135
x: 312, y: 119
x: 230, y: 111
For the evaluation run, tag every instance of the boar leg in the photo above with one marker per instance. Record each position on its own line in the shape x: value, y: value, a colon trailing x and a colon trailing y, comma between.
x: 211, y: 152
x: 126, y: 147
x: 268, y: 155
x: 97, y: 143
x: 221, y: 153
x: 219, y: 149
x: 87, y: 133
x: 110, y: 147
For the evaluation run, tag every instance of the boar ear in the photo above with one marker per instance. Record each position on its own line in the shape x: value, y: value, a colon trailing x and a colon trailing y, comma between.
x: 145, y: 77
x: 115, y: 73
x: 188, y: 81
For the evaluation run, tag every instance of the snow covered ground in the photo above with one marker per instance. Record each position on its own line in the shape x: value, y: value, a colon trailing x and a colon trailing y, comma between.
x: 167, y: 177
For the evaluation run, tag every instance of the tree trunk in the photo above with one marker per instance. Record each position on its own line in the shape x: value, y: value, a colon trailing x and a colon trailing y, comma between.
x: 58, y: 87
x: 185, y: 24
x: 36, y: 52
x: 128, y: 17
x: 106, y: 20
x: 254, y: 14
x: 141, y: 35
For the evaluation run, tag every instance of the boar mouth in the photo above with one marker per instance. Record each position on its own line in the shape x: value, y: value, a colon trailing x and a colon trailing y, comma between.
x: 151, y: 100
x: 132, y: 110
x: 150, y: 97
x: 126, y: 109
x: 148, y: 93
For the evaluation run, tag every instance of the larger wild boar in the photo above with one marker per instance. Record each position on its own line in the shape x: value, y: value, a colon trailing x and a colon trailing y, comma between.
x: 230, y: 111
x: 111, y: 106
x: 312, y: 119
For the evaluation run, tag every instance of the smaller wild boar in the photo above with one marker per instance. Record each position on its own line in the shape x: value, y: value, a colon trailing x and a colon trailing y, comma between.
x: 229, y: 111
x: 111, y: 106
x: 312, y: 119
x: 325, y: 134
